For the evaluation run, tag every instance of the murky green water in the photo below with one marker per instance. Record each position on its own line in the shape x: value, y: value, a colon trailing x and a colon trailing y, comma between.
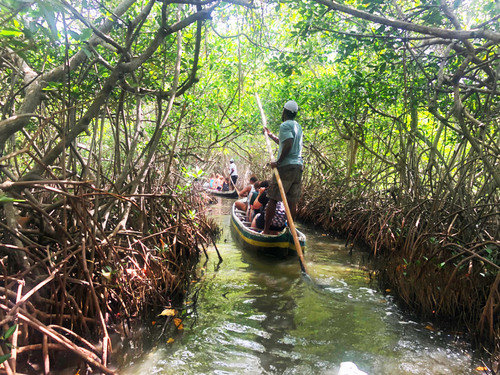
x: 259, y: 316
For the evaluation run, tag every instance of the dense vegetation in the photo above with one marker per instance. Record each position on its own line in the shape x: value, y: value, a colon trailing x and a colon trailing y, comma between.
x: 111, y: 109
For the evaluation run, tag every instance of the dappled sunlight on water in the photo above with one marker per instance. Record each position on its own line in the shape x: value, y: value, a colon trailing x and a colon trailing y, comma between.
x: 260, y: 316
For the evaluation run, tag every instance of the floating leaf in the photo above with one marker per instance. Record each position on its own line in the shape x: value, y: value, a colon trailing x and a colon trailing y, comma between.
x: 429, y: 327
x: 482, y: 368
x: 170, y: 340
x: 168, y: 312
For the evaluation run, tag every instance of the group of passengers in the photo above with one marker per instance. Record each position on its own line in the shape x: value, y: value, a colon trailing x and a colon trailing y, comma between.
x: 218, y: 182
x: 264, y: 207
x: 255, y: 206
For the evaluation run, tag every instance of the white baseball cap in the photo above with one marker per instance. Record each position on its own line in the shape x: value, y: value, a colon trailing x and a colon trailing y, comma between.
x: 232, y: 160
x: 292, y: 106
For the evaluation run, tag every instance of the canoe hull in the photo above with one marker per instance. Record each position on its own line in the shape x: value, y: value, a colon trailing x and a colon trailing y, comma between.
x: 279, y: 245
x: 225, y: 194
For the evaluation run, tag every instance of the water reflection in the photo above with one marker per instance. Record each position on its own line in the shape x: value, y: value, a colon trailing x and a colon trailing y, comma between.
x: 259, y: 316
x: 273, y: 302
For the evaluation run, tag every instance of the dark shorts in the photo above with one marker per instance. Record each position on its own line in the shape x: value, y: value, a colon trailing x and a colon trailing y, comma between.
x: 234, y: 178
x: 291, y: 177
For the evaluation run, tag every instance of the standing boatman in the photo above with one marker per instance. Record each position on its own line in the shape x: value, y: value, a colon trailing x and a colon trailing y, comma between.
x: 289, y: 163
x: 233, y: 171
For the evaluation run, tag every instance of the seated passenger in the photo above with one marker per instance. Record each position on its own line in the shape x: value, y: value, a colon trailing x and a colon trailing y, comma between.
x: 218, y: 182
x: 212, y: 181
x: 249, y: 188
x: 278, y: 221
x: 257, y: 205
x: 251, y: 200
x: 245, y: 192
x: 225, y: 184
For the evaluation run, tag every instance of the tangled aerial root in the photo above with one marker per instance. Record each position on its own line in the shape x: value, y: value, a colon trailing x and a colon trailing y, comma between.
x: 439, y: 259
x: 85, y: 266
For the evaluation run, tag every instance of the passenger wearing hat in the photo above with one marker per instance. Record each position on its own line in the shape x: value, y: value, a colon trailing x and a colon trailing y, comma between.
x: 233, y: 171
x: 289, y: 163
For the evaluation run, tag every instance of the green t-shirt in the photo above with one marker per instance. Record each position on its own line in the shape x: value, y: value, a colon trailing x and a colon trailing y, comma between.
x: 291, y: 129
x: 253, y: 196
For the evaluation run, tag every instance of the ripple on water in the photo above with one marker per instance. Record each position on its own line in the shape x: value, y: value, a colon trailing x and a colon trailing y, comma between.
x: 240, y: 328
x: 240, y: 362
x: 259, y: 318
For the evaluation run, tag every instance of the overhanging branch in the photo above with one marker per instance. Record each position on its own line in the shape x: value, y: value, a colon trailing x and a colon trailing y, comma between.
x: 404, y: 25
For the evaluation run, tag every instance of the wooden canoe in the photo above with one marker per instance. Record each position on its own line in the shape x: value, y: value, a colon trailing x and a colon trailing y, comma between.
x: 226, y: 194
x: 278, y: 245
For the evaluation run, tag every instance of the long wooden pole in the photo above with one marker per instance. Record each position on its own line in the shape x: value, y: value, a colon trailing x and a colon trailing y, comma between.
x: 234, y: 185
x: 291, y: 224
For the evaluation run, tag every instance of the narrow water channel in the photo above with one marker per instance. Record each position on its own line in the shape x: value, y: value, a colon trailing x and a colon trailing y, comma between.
x: 260, y: 316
